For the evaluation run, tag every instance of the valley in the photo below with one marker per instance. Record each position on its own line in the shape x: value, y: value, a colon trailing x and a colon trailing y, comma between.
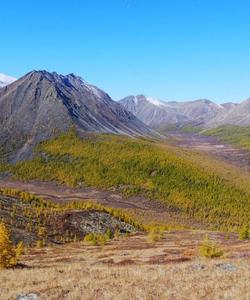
x: 125, y: 150
x: 147, y: 212
x: 109, y: 202
x: 213, y: 146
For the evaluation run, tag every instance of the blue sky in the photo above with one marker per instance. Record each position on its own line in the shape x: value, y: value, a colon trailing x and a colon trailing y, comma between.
x: 168, y: 49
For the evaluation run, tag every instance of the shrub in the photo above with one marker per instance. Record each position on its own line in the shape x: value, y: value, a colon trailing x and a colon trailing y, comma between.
x: 244, y: 233
x: 40, y: 243
x: 155, y: 234
x: 96, y: 239
x: 117, y: 233
x: 109, y: 234
x: 210, y: 249
x: 91, y: 237
x: 19, y: 249
x: 41, y: 231
x: 8, y: 253
x: 101, y: 239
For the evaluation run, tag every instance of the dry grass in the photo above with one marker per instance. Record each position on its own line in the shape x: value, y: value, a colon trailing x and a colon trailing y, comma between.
x: 131, y: 268
x: 78, y: 281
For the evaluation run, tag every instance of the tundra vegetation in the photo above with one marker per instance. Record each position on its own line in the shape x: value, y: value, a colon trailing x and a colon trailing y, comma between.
x: 244, y: 233
x: 210, y: 249
x: 237, y: 135
x: 131, y: 268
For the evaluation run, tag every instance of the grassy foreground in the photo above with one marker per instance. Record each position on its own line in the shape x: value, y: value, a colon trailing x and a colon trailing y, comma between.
x: 132, y: 268
x: 138, y: 166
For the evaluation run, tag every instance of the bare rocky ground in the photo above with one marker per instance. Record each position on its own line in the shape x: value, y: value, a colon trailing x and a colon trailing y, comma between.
x: 25, y: 223
x: 132, y: 268
x: 213, y: 147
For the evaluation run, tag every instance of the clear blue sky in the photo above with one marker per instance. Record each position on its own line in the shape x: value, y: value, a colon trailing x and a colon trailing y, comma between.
x: 169, y: 49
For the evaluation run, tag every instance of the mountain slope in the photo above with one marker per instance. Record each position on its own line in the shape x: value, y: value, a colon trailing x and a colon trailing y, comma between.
x: 233, y: 134
x: 5, y: 80
x: 199, y: 111
x: 153, y: 112
x: 156, y: 171
x: 236, y: 115
x: 41, y: 104
x: 157, y: 113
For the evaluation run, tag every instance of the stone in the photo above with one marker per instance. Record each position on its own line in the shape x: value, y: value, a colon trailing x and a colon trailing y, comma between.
x: 31, y: 296
x: 198, y: 266
x: 227, y: 267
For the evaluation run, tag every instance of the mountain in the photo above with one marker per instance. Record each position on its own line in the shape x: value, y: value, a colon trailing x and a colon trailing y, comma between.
x: 41, y: 104
x: 237, y: 114
x: 5, y: 80
x: 229, y: 105
x: 152, y: 112
x: 156, y: 113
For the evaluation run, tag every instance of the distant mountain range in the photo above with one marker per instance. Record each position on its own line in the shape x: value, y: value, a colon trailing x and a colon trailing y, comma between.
x: 203, y: 113
x: 42, y: 104
x: 5, y: 80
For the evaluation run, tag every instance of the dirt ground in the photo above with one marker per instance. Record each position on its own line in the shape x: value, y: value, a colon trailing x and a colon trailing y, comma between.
x: 146, y: 211
x: 61, y: 193
x: 131, y: 268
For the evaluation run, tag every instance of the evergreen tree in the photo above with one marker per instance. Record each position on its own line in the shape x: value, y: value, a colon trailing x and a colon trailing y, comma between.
x: 244, y: 233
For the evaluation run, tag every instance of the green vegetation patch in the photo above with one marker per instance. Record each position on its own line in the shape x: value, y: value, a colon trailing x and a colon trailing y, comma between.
x: 240, y: 136
x: 179, y: 128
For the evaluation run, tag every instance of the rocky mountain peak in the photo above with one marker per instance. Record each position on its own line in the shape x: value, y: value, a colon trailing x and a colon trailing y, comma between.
x: 41, y: 103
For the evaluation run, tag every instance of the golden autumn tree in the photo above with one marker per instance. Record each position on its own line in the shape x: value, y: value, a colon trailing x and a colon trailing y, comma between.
x: 8, y: 254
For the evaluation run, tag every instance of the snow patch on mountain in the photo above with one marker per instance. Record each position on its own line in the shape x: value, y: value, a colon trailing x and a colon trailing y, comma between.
x: 155, y: 101
x: 5, y: 80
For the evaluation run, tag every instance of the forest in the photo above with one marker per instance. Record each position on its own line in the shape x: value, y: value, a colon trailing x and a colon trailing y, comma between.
x: 138, y: 166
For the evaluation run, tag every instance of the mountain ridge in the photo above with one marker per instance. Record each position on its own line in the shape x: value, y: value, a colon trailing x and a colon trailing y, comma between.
x: 201, y: 112
x: 158, y: 113
x: 41, y: 104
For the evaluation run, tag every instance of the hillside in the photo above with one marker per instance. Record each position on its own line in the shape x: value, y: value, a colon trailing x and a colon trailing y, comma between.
x: 237, y: 135
x: 238, y: 115
x: 200, y: 113
x: 140, y: 167
x: 153, y: 112
x: 42, y: 104
x: 160, y: 114
x: 34, y: 220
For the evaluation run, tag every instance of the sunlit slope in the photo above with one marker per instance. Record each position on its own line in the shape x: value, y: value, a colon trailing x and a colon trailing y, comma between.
x: 240, y: 136
x: 139, y: 166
